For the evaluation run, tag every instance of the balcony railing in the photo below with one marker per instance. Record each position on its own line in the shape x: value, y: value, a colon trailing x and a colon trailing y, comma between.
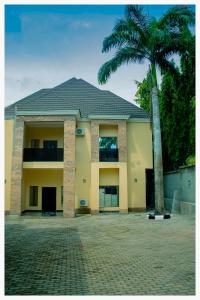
x: 43, y: 154
x: 108, y: 155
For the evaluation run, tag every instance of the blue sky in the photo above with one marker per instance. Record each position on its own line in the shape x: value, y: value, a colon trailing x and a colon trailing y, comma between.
x: 48, y: 44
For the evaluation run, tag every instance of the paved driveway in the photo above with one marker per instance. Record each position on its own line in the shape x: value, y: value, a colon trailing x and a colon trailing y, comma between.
x: 106, y: 254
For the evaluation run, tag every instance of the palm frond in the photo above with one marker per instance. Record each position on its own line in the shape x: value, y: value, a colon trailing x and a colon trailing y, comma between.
x: 169, y: 43
x: 166, y: 66
x: 124, y: 55
x: 136, y: 14
x: 118, y: 39
x: 130, y: 27
x: 177, y: 17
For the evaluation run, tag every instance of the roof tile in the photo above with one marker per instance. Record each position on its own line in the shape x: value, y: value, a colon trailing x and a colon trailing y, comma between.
x: 77, y: 94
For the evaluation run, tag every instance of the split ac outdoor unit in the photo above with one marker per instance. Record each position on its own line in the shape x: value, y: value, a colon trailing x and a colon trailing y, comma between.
x: 83, y: 202
x: 80, y: 131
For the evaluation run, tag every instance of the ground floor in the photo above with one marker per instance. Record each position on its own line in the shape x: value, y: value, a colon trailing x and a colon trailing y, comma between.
x: 106, y: 188
x: 104, y: 254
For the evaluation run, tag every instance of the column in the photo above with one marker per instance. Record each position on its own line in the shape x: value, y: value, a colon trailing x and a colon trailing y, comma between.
x: 69, y: 168
x: 17, y: 168
x: 123, y: 188
x: 122, y: 141
x: 94, y: 192
x: 94, y: 141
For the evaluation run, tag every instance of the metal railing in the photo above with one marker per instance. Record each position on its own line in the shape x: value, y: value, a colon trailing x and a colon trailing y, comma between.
x: 43, y: 154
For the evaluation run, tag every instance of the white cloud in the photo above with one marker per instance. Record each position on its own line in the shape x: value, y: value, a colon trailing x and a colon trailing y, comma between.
x: 81, y: 24
x: 24, y: 77
x: 49, y: 54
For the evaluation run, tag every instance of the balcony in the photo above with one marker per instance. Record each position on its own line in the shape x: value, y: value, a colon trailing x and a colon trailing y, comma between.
x: 108, y: 155
x: 43, y: 154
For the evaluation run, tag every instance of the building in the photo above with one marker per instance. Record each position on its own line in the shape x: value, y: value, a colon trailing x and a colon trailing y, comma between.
x: 76, y: 148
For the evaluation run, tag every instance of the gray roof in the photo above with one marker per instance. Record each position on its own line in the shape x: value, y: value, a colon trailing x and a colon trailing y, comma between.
x: 76, y: 94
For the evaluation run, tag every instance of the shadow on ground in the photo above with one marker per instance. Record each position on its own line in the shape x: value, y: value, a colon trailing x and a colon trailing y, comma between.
x: 44, y: 261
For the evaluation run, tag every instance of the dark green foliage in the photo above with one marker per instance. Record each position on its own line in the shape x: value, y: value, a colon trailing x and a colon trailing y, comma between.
x: 139, y: 37
x: 143, y: 94
x: 177, y: 110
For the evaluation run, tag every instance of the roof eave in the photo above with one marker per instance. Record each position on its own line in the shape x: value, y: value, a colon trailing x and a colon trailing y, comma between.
x: 49, y: 113
x: 108, y: 117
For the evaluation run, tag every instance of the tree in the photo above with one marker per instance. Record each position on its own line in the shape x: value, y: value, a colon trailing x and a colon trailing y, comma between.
x: 139, y: 37
x: 177, y: 110
x: 143, y: 94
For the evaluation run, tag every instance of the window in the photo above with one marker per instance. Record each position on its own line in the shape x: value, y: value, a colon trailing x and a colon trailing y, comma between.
x: 50, y: 144
x: 106, y: 142
x: 33, y: 200
x: 108, y: 149
x: 108, y: 196
x: 35, y: 143
x: 62, y: 196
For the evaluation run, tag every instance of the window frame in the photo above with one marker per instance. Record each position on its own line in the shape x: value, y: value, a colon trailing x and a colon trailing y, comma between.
x: 33, y: 144
x: 62, y: 198
x: 32, y: 194
x: 45, y: 143
x: 110, y: 187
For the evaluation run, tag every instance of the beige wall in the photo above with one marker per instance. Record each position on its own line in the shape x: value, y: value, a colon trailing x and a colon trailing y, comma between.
x: 9, y: 127
x: 43, y: 165
x: 43, y: 134
x: 139, y: 159
x: 87, y: 174
x: 41, y: 178
x: 83, y: 164
x: 96, y: 170
x: 108, y: 130
x: 108, y: 176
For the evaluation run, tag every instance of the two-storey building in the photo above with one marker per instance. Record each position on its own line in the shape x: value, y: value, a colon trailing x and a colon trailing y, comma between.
x: 76, y: 148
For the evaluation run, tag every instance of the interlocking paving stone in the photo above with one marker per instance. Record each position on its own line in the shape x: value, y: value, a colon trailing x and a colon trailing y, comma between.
x: 106, y: 254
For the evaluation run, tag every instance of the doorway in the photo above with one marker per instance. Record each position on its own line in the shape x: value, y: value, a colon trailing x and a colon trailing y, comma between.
x: 49, y: 200
x: 108, y: 196
x: 150, y: 198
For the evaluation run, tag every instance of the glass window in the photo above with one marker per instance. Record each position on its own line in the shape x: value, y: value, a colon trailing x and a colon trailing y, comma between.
x: 108, y: 196
x: 33, y: 200
x: 108, y: 142
x: 62, y: 196
x: 35, y: 143
x: 50, y: 144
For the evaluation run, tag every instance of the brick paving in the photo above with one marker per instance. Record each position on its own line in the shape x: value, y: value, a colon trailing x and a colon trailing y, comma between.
x: 106, y: 254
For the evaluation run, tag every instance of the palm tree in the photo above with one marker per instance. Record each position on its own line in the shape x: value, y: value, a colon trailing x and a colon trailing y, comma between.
x: 138, y: 38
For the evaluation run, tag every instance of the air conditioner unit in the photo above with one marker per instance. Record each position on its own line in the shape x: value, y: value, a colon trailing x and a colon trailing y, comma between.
x: 80, y: 131
x: 83, y: 202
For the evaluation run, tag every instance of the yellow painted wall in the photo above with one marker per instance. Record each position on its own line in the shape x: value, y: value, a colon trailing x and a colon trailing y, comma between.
x: 87, y: 173
x: 108, y: 176
x: 43, y: 165
x: 83, y: 164
x: 9, y: 128
x: 100, y: 168
x: 43, y: 134
x: 41, y: 178
x: 108, y: 130
x: 139, y: 159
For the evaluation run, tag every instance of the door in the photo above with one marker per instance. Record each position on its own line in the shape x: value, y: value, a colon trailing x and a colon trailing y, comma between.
x: 49, y: 199
x: 150, y: 200
x: 108, y: 196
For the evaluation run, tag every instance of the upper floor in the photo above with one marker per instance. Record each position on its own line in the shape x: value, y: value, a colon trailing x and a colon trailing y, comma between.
x: 45, y: 142
x: 100, y: 125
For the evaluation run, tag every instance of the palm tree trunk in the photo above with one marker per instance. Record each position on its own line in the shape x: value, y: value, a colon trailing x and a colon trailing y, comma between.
x: 157, y: 145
